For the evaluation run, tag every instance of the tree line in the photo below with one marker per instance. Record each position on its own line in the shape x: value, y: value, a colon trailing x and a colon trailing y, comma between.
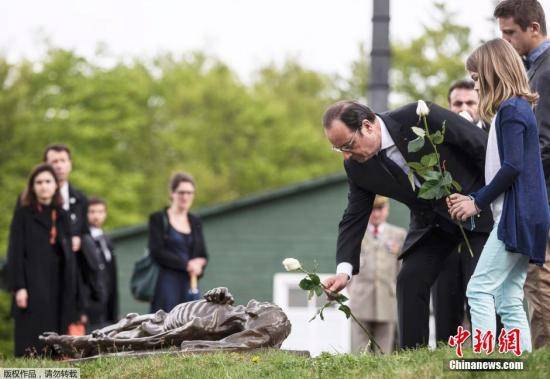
x: 132, y: 124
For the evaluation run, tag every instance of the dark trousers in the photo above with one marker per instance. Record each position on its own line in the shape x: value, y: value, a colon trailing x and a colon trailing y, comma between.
x: 421, y: 267
x: 449, y: 293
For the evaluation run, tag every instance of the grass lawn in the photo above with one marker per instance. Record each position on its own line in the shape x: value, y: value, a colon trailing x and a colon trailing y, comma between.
x: 280, y: 364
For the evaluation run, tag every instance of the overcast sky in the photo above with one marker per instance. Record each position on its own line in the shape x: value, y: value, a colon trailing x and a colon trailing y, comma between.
x: 323, y: 34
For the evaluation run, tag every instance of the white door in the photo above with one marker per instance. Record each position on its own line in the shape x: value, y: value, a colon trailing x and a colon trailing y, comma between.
x: 331, y: 335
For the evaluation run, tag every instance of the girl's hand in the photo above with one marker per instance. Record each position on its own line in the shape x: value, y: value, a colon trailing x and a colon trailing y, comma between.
x: 21, y: 298
x: 455, y: 198
x: 462, y: 210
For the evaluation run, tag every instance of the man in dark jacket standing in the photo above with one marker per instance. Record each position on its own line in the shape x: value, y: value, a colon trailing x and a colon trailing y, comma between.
x: 100, y: 269
x: 74, y: 201
x: 523, y: 24
x: 376, y: 155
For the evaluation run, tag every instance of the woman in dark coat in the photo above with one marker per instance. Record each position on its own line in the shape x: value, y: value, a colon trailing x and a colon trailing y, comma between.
x: 176, y: 243
x: 41, y: 264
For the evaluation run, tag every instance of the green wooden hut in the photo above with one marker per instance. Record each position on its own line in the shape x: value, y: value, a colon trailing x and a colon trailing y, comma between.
x: 248, y: 238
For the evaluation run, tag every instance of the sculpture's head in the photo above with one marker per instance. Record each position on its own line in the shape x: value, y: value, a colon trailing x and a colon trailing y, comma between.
x: 271, y: 318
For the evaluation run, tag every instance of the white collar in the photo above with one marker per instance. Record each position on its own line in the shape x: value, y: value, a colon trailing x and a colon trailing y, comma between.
x: 385, y: 138
x: 95, y: 232
x: 370, y: 228
x: 65, y: 189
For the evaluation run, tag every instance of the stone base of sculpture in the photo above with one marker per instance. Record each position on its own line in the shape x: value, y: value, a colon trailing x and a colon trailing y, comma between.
x: 209, y: 324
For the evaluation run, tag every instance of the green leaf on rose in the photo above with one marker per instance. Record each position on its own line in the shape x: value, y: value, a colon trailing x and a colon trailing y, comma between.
x: 416, y: 166
x: 430, y: 189
x: 346, y: 310
x: 415, y: 145
x: 437, y: 137
x: 306, y: 284
x: 429, y: 160
x: 319, y: 291
x: 323, y: 309
x: 432, y: 175
x: 341, y: 298
x: 315, y: 279
x: 418, y: 131
x: 447, y: 179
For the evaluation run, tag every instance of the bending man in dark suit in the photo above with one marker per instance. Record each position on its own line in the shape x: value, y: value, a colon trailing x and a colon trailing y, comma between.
x: 523, y: 24
x: 375, y: 152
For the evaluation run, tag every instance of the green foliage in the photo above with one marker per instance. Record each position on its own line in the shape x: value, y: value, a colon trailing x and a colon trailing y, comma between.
x: 356, y: 87
x: 6, y: 331
x: 425, y: 67
x: 131, y: 125
x: 272, y: 363
x: 422, y: 68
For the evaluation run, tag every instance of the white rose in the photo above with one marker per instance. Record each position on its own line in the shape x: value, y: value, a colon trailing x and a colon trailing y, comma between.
x: 422, y: 109
x: 291, y: 264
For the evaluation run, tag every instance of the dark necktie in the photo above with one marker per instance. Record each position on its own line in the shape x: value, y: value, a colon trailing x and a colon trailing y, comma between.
x: 526, y: 63
x: 104, y: 248
x: 375, y: 231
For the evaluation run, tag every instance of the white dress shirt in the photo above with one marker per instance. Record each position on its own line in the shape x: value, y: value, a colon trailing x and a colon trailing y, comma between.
x: 98, y: 235
x: 370, y: 228
x: 64, y: 190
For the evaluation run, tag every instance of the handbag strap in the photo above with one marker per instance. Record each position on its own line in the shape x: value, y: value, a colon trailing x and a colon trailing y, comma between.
x: 165, y: 224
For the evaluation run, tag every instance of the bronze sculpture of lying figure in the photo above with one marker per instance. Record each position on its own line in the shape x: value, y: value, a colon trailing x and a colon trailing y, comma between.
x: 211, y: 323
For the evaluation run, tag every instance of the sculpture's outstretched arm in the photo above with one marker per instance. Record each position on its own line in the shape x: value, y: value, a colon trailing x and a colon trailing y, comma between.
x: 247, y: 339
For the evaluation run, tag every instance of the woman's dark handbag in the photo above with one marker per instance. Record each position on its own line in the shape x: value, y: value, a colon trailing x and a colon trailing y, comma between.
x: 144, y: 278
x: 146, y: 272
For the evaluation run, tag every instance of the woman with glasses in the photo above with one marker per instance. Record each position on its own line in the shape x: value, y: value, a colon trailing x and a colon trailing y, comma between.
x: 176, y: 243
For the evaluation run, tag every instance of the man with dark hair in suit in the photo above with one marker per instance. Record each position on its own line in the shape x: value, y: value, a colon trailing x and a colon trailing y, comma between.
x: 375, y: 150
x: 100, y: 268
x: 76, y: 204
x: 523, y: 24
x: 464, y: 100
x: 74, y: 201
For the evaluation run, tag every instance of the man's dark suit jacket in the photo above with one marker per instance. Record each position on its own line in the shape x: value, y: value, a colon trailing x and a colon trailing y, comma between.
x: 78, y: 209
x: 539, y: 80
x: 463, y: 153
x: 100, y: 277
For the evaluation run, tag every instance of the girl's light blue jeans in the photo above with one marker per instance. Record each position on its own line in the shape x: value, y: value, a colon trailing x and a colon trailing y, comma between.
x: 497, y: 283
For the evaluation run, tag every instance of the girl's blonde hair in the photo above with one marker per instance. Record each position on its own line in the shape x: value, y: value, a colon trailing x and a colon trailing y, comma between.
x: 501, y: 75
